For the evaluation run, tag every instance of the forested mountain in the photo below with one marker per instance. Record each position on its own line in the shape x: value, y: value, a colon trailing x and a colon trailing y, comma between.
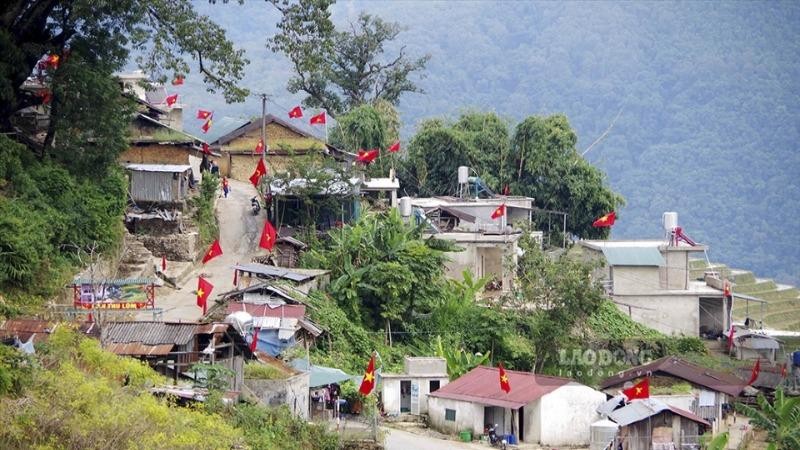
x: 706, y: 98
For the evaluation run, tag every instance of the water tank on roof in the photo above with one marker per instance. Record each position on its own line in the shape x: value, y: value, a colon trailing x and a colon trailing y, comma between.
x: 463, y: 175
x: 405, y: 206
x: 242, y: 321
x: 669, y: 220
x: 602, y: 433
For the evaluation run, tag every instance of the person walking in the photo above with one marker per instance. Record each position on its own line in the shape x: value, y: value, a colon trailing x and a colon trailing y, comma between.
x: 225, y: 187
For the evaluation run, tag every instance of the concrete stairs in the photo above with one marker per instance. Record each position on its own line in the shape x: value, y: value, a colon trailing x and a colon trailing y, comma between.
x: 135, y: 261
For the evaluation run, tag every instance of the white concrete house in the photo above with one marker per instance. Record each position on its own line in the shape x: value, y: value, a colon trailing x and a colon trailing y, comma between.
x: 551, y: 411
x: 408, y: 392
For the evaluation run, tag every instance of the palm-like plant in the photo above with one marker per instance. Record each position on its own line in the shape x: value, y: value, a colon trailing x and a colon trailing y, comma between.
x: 780, y: 419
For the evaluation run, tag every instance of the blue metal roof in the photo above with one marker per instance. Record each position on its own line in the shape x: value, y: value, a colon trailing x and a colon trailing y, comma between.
x: 633, y: 256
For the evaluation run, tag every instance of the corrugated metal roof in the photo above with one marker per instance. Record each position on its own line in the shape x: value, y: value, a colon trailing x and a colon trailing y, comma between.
x: 115, y: 282
x: 149, y: 333
x: 25, y: 328
x: 267, y: 310
x: 310, y: 326
x: 482, y: 385
x: 139, y: 349
x: 678, y: 368
x: 274, y: 271
x: 633, y: 256
x: 171, y: 168
x: 638, y: 410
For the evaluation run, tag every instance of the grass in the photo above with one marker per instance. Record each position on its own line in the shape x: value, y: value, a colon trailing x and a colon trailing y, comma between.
x: 264, y: 372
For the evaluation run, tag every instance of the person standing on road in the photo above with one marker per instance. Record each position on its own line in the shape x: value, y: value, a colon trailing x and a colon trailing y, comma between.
x: 225, y: 187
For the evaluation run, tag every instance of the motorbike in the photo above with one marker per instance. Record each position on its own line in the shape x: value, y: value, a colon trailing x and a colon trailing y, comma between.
x: 255, y: 205
x: 494, y: 439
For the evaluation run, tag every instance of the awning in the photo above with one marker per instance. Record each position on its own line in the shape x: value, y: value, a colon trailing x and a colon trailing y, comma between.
x: 320, y: 375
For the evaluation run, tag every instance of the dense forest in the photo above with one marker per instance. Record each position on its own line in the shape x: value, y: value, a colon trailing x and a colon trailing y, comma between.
x: 704, y: 99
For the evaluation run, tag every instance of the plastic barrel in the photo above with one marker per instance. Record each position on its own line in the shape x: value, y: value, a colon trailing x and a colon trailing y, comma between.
x: 466, y: 436
x: 511, y: 439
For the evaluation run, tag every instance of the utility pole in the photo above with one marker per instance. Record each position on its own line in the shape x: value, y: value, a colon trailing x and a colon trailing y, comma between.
x: 264, y: 124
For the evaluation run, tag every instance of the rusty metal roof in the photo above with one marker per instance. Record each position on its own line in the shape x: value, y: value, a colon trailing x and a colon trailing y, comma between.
x: 482, y: 385
x: 638, y: 410
x: 139, y: 349
x: 25, y: 328
x: 267, y: 310
x: 149, y: 333
x: 679, y: 368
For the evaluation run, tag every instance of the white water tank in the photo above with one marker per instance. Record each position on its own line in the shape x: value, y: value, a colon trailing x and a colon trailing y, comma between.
x: 601, y: 434
x: 463, y: 175
x: 669, y: 220
x: 405, y: 206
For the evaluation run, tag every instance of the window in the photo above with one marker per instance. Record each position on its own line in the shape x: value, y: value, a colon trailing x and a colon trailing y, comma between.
x: 433, y: 386
x: 450, y: 415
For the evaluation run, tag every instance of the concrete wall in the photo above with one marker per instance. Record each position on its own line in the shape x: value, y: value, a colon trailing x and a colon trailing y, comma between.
x: 670, y: 314
x: 566, y: 414
x: 677, y: 273
x: 469, y: 416
x: 292, y: 392
x: 483, y: 260
x: 177, y: 247
x: 391, y: 391
x: 425, y: 365
x: 635, y: 279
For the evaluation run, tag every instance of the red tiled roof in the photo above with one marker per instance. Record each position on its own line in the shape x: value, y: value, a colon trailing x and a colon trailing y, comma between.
x: 679, y: 368
x: 287, y: 311
x: 482, y: 385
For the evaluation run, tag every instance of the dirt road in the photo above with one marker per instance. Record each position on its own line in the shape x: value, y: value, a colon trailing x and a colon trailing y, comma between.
x: 240, y: 231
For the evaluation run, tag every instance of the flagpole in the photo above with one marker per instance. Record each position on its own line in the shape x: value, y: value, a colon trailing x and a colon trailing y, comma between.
x: 326, y: 125
x: 264, y: 124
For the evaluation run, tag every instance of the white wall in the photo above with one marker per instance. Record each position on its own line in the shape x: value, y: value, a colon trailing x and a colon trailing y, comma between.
x: 469, y: 416
x: 635, y: 279
x: 568, y: 412
x: 391, y: 392
x: 677, y: 276
x: 669, y: 314
x: 292, y: 392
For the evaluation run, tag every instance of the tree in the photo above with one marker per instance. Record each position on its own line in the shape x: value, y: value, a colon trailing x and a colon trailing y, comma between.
x: 167, y: 32
x: 434, y: 156
x: 780, y: 419
x: 339, y: 70
x: 486, y: 135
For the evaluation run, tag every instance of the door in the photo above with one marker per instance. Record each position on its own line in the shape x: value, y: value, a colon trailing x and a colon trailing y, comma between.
x: 521, y: 415
x: 415, y: 397
x: 405, y: 396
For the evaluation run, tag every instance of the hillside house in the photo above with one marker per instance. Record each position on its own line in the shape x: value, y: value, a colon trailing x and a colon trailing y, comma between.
x: 551, y: 411
x: 650, y: 424
x: 277, y: 327
x: 408, y: 392
x: 709, y: 390
x: 159, y: 184
x: 288, y: 386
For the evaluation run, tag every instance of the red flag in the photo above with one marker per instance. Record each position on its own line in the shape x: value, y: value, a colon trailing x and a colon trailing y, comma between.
x: 207, y: 125
x: 260, y: 171
x: 730, y: 338
x: 213, y: 251
x: 368, y: 383
x: 163, y: 263
x: 177, y: 81
x: 259, y: 147
x: 499, y: 212
x: 203, y: 114
x: 204, y: 289
x: 53, y: 60
x: 639, y: 390
x: 296, y: 113
x: 605, y: 221
x: 319, y: 119
x: 504, y: 384
x: 171, y: 99
x: 206, y: 148
x: 45, y: 95
x: 268, y: 236
x: 755, y: 372
x: 394, y: 148
x: 254, y: 343
x: 367, y: 156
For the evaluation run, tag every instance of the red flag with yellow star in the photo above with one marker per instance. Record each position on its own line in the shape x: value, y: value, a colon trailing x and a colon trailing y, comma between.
x: 213, y: 251
x: 504, y: 384
x: 268, y: 236
x: 204, y: 289
x: 639, y: 390
x: 171, y: 99
x: 260, y: 171
x: 499, y: 212
x: 368, y: 383
x: 605, y: 221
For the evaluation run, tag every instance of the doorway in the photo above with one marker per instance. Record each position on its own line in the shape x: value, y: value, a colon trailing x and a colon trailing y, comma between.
x: 494, y: 415
x: 405, y: 396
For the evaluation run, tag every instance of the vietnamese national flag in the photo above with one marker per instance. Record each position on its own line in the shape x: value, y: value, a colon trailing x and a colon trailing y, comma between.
x: 268, y: 236
x: 163, y: 263
x: 368, y: 383
x: 206, y: 148
x: 394, y: 148
x: 178, y: 81
x: 319, y: 119
x: 605, y: 221
x: 171, y: 99
x: 639, y: 390
x: 504, y: 383
x: 499, y: 212
x: 207, y: 126
x: 260, y: 171
x: 296, y: 113
x: 213, y: 251
x: 254, y: 343
x: 53, y: 60
x: 204, y: 289
x: 754, y: 373
x: 259, y: 147
x: 367, y: 156
x: 203, y: 114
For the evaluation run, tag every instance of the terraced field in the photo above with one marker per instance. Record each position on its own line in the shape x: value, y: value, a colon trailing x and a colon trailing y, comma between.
x: 782, y: 312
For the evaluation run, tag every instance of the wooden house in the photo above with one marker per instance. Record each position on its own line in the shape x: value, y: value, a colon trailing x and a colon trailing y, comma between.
x: 650, y: 424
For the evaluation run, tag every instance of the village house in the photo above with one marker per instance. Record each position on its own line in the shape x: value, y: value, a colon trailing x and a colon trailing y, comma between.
x: 408, y: 392
x: 302, y: 280
x: 173, y: 348
x: 159, y: 184
x: 321, y: 378
x: 551, y: 411
x: 285, y: 386
x: 704, y: 392
x: 650, y: 424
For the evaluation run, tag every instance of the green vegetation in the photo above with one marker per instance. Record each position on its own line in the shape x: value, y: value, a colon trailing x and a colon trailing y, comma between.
x: 780, y: 419
x: 263, y: 372
x: 203, y: 205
